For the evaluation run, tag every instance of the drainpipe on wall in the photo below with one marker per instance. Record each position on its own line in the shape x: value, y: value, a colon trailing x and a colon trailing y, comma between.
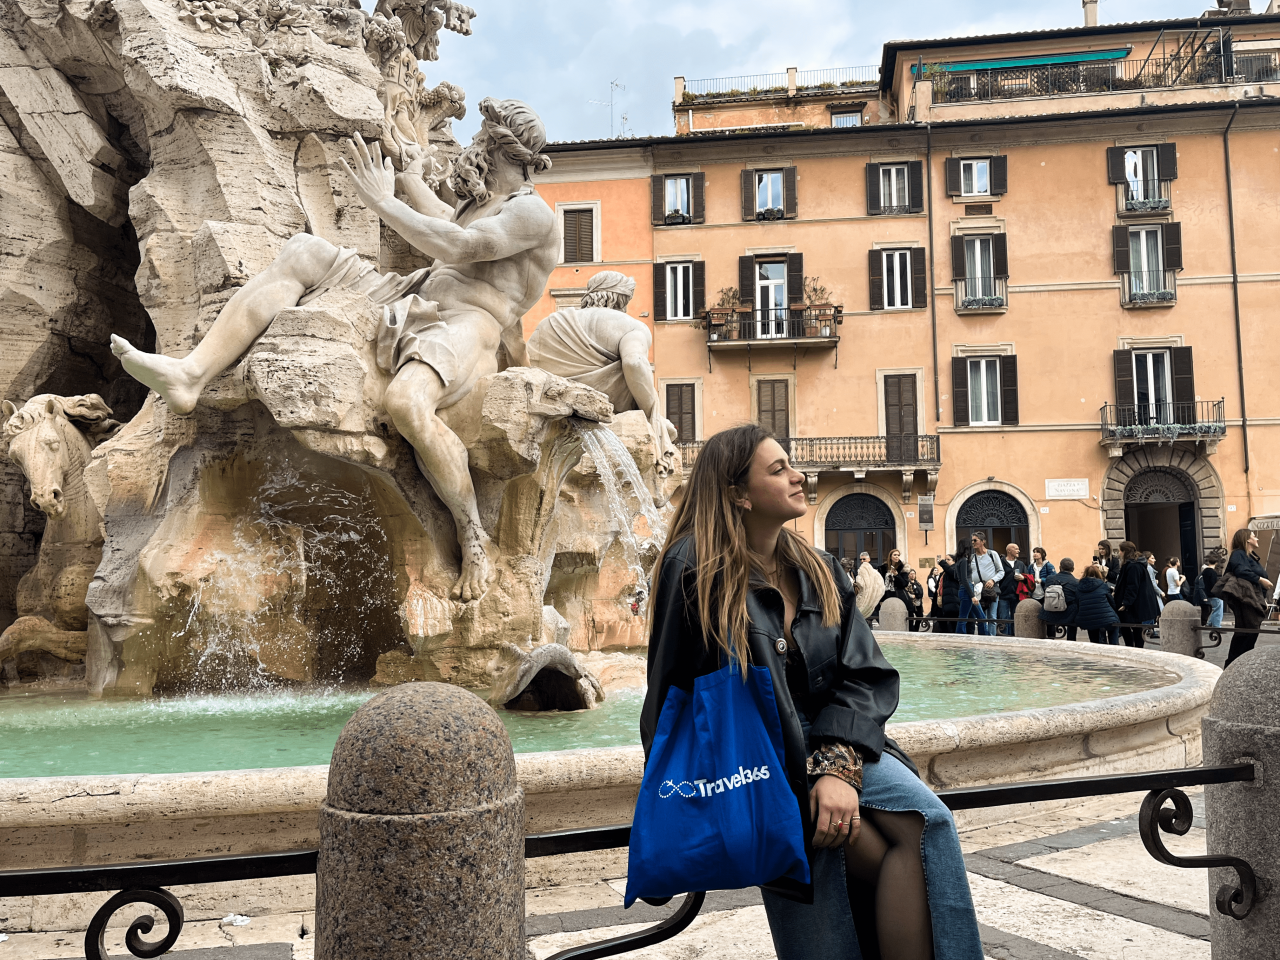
x: 1235, y: 299
x: 933, y: 298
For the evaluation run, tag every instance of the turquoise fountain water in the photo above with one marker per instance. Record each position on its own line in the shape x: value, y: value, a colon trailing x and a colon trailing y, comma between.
x: 52, y: 734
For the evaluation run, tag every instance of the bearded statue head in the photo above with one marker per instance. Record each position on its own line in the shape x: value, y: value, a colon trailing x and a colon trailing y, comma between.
x: 509, y: 129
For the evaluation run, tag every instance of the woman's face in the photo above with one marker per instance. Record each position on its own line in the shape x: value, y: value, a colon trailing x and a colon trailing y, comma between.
x: 1253, y: 539
x: 1037, y: 556
x: 911, y: 574
x: 895, y: 556
x: 774, y: 491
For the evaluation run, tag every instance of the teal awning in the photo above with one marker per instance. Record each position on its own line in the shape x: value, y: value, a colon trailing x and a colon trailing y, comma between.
x: 1090, y: 56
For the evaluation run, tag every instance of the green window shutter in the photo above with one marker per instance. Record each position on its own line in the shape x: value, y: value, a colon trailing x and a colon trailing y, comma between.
x: 960, y: 391
x: 1115, y: 165
x: 915, y: 186
x: 875, y: 276
x: 951, y: 166
x: 659, y: 291
x: 957, y: 258
x: 1120, y: 248
x: 698, y: 188
x: 874, y: 209
x: 1009, y: 390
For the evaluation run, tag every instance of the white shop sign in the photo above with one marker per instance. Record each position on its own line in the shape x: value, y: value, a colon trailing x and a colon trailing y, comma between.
x: 1066, y: 489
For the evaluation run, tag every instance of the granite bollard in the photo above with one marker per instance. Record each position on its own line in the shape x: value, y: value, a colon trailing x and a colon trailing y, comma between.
x: 422, y: 833
x: 893, y: 615
x: 1243, y: 724
x: 1027, y: 622
x: 1177, y: 628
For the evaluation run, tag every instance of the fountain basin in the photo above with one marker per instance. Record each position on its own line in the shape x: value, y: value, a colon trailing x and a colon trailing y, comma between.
x: 54, y: 821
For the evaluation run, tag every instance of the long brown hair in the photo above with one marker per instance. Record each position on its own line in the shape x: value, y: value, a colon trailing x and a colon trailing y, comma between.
x: 723, y: 558
x: 1240, y: 540
x: 1128, y: 550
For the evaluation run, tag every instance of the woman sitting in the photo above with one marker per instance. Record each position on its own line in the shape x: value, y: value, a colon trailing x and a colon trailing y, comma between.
x: 734, y: 585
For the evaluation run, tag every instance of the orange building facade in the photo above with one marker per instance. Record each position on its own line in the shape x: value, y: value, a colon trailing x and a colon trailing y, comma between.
x: 1031, y: 291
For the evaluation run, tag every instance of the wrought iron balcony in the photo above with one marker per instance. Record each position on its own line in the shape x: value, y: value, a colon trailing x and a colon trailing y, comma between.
x: 726, y: 326
x: 857, y: 455
x: 1059, y: 79
x: 981, y: 295
x: 1146, y: 196
x: 1202, y: 421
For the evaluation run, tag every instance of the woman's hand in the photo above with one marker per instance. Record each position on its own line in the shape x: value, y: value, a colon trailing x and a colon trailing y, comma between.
x: 1266, y: 584
x: 833, y: 804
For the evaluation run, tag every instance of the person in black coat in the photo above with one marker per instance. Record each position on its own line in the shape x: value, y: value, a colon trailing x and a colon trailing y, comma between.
x: 1136, y: 600
x: 1110, y: 563
x: 1065, y: 578
x: 955, y: 580
x: 1245, y: 566
x: 1093, y: 606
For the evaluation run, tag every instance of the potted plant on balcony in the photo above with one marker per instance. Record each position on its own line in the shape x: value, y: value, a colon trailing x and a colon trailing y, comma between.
x: 719, y: 315
x: 819, y: 311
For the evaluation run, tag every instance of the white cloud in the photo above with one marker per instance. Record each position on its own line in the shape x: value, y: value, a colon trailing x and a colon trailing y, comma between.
x: 559, y: 56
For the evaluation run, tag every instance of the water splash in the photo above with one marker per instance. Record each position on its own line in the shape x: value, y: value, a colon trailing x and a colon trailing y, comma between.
x: 628, y: 497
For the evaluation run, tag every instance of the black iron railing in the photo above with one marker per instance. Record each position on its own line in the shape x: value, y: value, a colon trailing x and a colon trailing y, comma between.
x: 1146, y: 287
x: 981, y: 293
x: 1141, y: 422
x: 834, y: 453
x: 1146, y: 195
x: 1058, y: 79
x: 143, y: 883
x: 774, y: 323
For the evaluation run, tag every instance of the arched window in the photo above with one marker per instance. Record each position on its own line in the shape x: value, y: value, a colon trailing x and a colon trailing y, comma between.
x: 860, y: 522
x: 997, y: 515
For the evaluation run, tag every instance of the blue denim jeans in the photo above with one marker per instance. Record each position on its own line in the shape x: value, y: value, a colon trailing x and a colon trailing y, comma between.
x: 1005, y: 612
x: 970, y: 609
x: 1215, y: 612
x: 825, y: 929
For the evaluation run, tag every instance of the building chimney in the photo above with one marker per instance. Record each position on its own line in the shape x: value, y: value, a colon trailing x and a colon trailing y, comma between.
x: 1090, y: 13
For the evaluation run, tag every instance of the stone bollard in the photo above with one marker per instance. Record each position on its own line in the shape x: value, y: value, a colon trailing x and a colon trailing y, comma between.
x: 893, y: 615
x: 1027, y: 622
x: 422, y: 833
x: 1177, y: 628
x: 1243, y: 724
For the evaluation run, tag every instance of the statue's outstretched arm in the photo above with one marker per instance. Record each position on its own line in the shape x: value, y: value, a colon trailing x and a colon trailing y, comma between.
x: 524, y: 223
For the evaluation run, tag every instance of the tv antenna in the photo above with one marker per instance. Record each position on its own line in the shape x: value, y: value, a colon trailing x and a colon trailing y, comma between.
x: 613, y: 85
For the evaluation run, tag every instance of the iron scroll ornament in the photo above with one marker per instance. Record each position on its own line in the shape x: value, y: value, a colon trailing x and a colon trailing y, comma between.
x: 1234, y: 902
x: 95, y: 947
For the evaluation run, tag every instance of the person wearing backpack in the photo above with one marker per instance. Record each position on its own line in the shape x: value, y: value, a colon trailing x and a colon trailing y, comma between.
x: 739, y: 600
x: 1094, y: 611
x: 1060, y: 598
x: 1202, y: 594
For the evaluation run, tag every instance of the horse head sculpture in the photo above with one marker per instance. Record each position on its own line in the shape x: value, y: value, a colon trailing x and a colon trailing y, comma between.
x: 50, y: 439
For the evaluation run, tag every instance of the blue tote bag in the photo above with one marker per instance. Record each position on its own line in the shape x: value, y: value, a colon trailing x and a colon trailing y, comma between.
x: 715, y: 811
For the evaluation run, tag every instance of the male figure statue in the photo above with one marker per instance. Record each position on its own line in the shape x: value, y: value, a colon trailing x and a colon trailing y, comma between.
x: 442, y: 325
x: 597, y: 344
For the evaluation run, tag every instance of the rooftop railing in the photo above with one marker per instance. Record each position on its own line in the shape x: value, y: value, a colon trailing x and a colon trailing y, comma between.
x: 1059, y: 79
x: 834, y: 453
x: 762, y: 84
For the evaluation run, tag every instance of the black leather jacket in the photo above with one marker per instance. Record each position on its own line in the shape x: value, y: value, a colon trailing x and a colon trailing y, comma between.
x: 852, y: 689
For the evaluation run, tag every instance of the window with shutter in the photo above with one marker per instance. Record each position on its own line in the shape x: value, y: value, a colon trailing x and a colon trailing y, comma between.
x: 795, y: 278
x: 875, y: 277
x: 699, y: 181
x: 951, y: 167
x: 975, y: 178
x: 1122, y: 363
x: 657, y: 199
x: 898, y: 279
x: 1009, y: 390
x: 915, y: 190
x: 874, y: 206
x: 999, y: 175
x: 579, y: 236
x: 1184, y: 385
x: 1120, y: 248
x: 679, y: 284
x: 747, y: 281
x: 699, y: 288
x: 960, y: 391
x: 748, y: 194
x: 958, y: 259
x: 984, y: 392
x: 790, y: 203
x: 770, y: 201
x: 1172, y: 236
x: 678, y: 207
x: 681, y: 412
x: 659, y: 291
x: 773, y: 407
x: 919, y: 278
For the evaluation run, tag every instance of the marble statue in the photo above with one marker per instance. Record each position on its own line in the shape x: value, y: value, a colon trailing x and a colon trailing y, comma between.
x: 442, y: 326
x: 50, y: 439
x: 597, y: 344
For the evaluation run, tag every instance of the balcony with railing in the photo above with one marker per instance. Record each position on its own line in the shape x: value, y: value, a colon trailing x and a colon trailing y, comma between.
x: 814, y: 456
x: 1062, y: 79
x: 833, y: 80
x: 1129, y: 424
x: 982, y: 295
x: 1138, y: 197
x: 764, y: 326
x: 1148, y: 288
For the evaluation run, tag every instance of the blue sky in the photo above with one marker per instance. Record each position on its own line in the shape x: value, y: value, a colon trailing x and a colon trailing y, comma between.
x: 560, y: 56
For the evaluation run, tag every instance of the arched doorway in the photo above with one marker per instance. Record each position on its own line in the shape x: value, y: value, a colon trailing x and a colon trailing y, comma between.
x: 859, y: 522
x: 997, y: 515
x: 1160, y: 515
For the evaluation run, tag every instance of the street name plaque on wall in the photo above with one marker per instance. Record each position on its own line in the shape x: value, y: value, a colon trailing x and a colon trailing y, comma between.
x: 1066, y: 489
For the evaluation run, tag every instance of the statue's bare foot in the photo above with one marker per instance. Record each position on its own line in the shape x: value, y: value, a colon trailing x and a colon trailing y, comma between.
x: 477, y: 568
x: 165, y: 375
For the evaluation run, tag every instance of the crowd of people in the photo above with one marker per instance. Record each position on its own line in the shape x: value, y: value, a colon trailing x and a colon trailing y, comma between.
x: 1119, y: 594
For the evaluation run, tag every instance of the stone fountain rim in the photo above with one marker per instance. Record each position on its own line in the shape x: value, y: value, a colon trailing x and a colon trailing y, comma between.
x: 36, y: 801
